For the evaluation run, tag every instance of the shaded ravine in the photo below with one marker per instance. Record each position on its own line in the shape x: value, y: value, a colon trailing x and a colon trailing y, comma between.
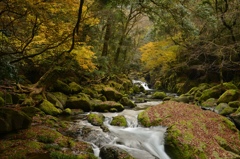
x: 140, y: 142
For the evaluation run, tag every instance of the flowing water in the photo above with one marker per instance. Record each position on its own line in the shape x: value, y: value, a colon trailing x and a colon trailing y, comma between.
x: 140, y: 142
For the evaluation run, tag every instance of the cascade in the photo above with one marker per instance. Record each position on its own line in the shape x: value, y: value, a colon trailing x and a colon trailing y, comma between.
x: 140, y: 142
x: 143, y: 84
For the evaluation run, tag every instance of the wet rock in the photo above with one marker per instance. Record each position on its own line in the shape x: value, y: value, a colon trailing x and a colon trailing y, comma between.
x: 95, y: 119
x: 192, y: 132
x: 127, y: 102
x: 113, y: 152
x: 119, y: 120
x: 159, y: 95
x: 80, y: 101
x: 11, y: 120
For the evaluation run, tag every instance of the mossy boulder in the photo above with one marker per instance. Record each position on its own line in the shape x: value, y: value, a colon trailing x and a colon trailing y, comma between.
x: 81, y: 101
x: 114, y: 152
x: 31, y: 111
x: 125, y: 101
x: 228, y: 110
x: 192, y: 132
x: 67, y: 111
x: 61, y: 86
x: 54, y: 100
x: 75, y: 88
x: 234, y: 104
x: 185, y: 98
x: 92, y: 93
x: 220, y: 107
x: 213, y: 92
x: 111, y: 94
x: 159, y: 95
x: 119, y: 120
x: 106, y: 106
x: 228, y: 96
x: 95, y: 119
x: 48, y: 108
x: 61, y: 97
x: 12, y: 119
x: 211, y: 102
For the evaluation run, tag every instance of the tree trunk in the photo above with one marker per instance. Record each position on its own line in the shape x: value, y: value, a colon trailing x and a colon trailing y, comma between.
x: 106, y: 38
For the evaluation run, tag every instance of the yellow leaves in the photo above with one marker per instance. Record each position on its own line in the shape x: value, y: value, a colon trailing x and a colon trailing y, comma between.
x: 84, y: 57
x: 158, y: 53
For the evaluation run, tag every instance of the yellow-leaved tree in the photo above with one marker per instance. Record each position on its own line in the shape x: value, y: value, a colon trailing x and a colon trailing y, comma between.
x: 84, y: 56
x: 158, y: 54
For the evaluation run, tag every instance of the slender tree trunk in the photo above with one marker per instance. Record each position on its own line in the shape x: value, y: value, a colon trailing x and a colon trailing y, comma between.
x: 107, y: 38
x: 119, y: 49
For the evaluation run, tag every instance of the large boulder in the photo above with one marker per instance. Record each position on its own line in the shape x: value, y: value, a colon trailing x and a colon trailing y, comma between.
x: 229, y: 95
x: 61, y: 86
x: 111, y: 94
x: 159, y: 95
x: 12, y: 119
x: 119, y: 120
x: 48, y: 108
x: 114, y: 152
x: 54, y: 100
x: 193, y: 132
x: 125, y: 101
x: 81, y: 101
x: 75, y: 88
x: 106, y: 106
x: 95, y: 119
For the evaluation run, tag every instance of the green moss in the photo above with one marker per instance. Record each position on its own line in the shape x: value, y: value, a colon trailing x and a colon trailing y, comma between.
x: 49, y: 108
x: 95, y: 119
x: 234, y: 104
x: 75, y: 88
x: 159, y: 95
x: 119, y: 120
x: 228, y: 110
x: 228, y: 96
x: 211, y: 102
x: 60, y: 155
x: 144, y: 119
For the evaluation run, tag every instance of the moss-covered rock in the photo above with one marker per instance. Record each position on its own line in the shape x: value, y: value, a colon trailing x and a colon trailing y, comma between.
x: 48, y: 108
x: 234, y: 104
x: 12, y: 119
x: 54, y: 100
x: 67, y: 111
x: 31, y: 111
x: 111, y: 94
x: 18, y: 98
x: 75, y: 88
x: 81, y: 101
x: 106, y: 106
x: 211, y: 102
x: 228, y: 110
x: 60, y: 86
x: 185, y: 98
x: 213, y: 92
x: 113, y: 152
x: 228, y: 96
x: 220, y: 107
x: 61, y: 97
x: 92, y: 93
x: 159, y: 95
x: 125, y: 101
x: 95, y: 119
x: 191, y: 131
x: 119, y: 120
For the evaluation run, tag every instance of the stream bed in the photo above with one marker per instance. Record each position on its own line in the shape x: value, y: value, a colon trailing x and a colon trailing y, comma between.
x: 138, y: 141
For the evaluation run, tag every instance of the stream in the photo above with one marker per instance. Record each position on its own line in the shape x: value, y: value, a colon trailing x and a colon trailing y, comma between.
x: 140, y: 142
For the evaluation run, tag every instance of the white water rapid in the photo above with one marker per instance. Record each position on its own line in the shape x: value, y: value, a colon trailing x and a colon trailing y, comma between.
x: 140, y: 142
x: 143, y: 84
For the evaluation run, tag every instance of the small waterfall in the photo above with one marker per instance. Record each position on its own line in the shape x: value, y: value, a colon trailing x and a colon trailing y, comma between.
x: 143, y: 84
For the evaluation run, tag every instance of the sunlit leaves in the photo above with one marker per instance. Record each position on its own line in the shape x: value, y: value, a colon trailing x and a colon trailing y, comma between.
x: 160, y: 53
x: 84, y: 56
